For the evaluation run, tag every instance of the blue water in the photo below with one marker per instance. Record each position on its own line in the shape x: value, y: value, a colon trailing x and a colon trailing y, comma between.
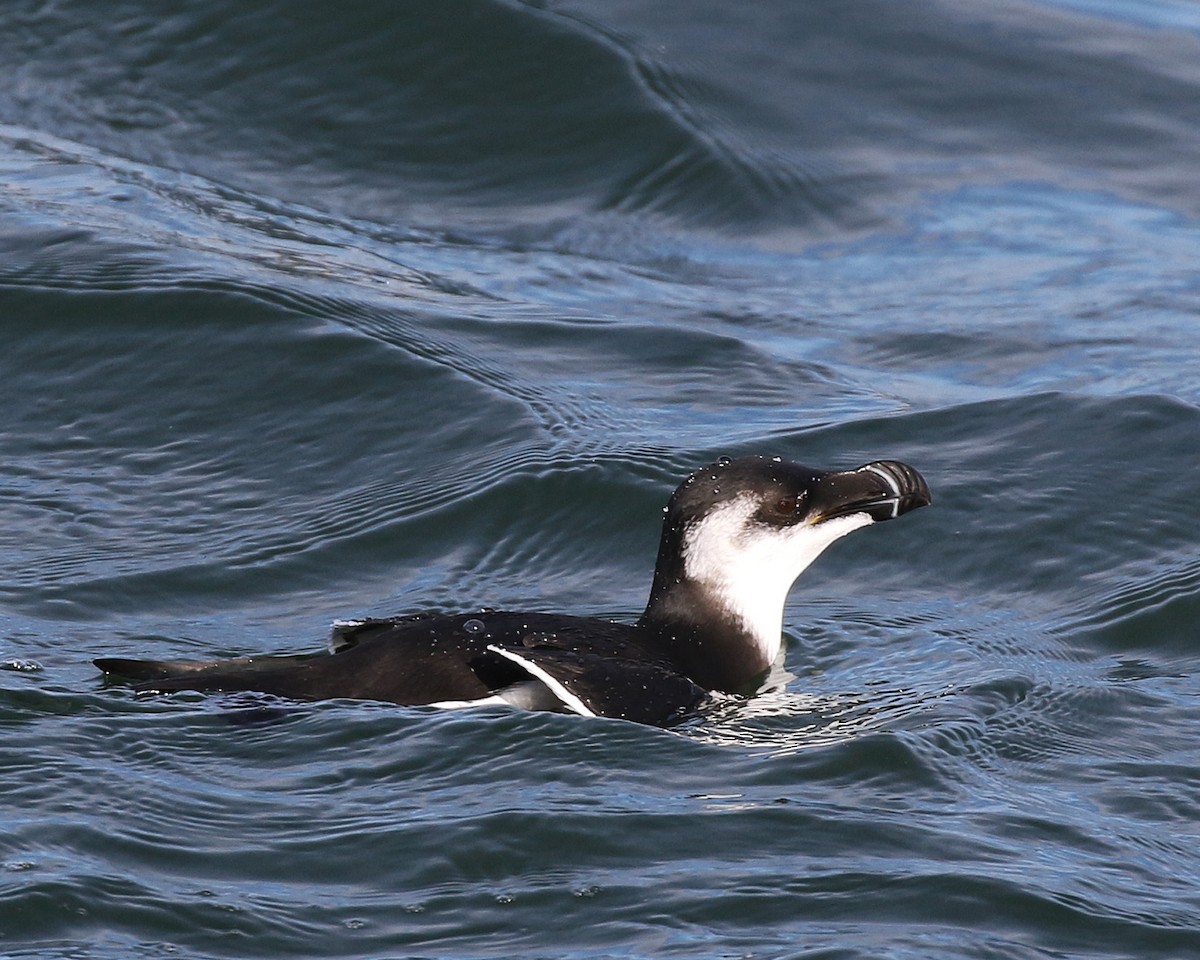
x: 313, y: 311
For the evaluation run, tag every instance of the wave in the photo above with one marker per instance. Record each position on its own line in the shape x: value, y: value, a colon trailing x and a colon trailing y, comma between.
x: 398, y: 114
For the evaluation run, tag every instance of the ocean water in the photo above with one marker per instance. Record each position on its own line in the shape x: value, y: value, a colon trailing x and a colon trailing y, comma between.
x: 316, y: 310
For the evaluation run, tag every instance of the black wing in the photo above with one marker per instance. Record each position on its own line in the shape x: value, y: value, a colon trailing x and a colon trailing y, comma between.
x: 593, y: 667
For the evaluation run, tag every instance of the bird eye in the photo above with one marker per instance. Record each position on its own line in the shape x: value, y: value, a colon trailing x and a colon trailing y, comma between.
x: 783, y: 511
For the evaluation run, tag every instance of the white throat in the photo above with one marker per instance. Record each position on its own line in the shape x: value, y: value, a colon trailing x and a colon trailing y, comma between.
x: 748, y: 567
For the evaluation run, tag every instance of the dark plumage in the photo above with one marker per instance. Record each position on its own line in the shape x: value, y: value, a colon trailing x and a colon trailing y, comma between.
x: 735, y: 536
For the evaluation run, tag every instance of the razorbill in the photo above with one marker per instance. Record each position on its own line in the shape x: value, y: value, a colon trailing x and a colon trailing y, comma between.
x: 736, y: 534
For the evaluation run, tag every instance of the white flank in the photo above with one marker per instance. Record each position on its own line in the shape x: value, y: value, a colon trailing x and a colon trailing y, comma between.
x: 529, y: 694
x: 565, y: 696
x: 461, y: 704
x: 750, y: 567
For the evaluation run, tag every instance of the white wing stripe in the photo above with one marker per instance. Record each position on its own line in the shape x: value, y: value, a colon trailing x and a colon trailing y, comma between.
x: 568, y: 699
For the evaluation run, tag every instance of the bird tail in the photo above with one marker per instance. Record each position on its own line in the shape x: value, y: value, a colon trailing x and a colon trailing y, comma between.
x: 241, y: 673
